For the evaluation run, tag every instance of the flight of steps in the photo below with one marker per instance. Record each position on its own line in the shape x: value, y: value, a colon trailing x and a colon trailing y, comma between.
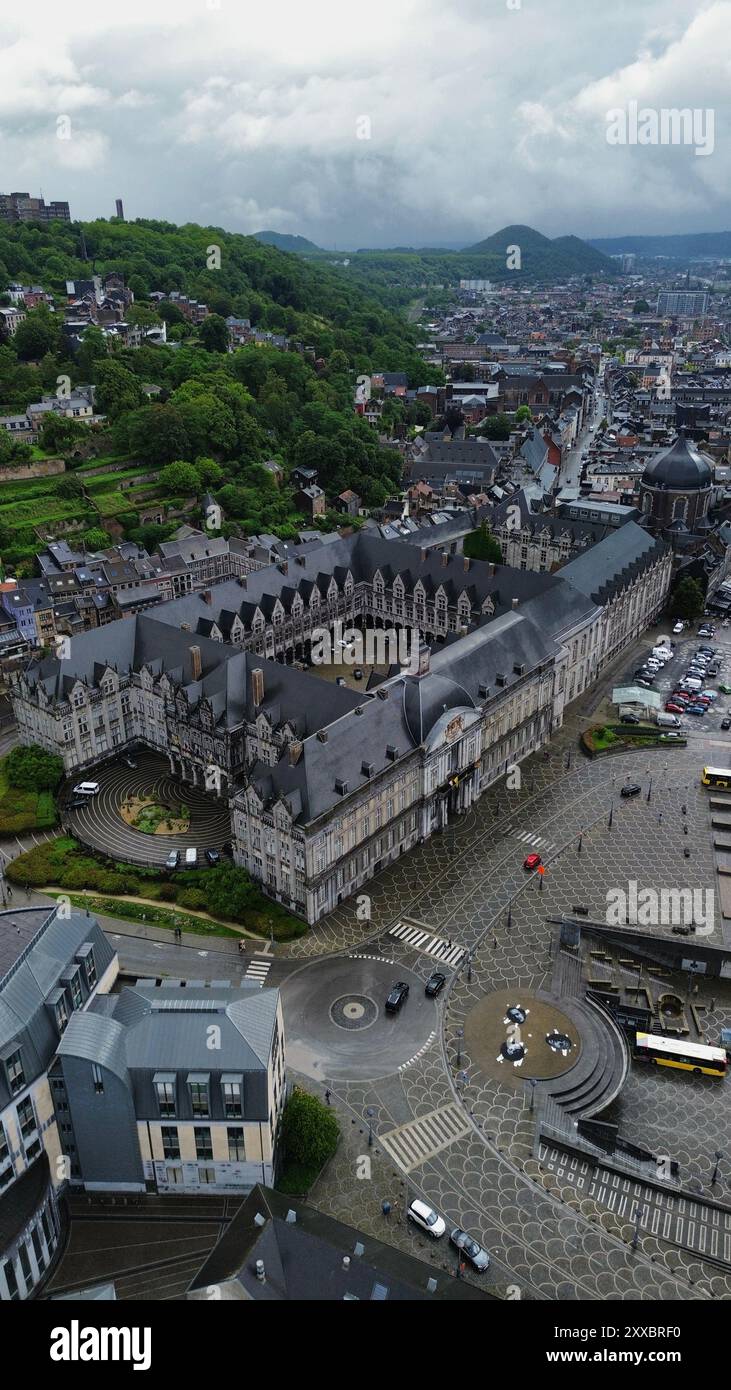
x: 604, y: 1061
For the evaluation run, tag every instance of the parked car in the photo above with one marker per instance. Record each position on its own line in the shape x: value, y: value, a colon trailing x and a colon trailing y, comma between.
x: 173, y: 859
x: 696, y: 709
x: 228, y: 849
x: 129, y: 761
x: 678, y: 627
x: 631, y: 789
x: 191, y: 858
x: 673, y: 707
x: 86, y: 789
x: 213, y: 856
x: 725, y: 689
x: 531, y: 861
x: 76, y: 803
x: 726, y: 723
x: 435, y: 984
x: 399, y: 993
x: 630, y: 719
x: 710, y: 695
x: 478, y: 1258
x: 427, y: 1219
x: 645, y: 681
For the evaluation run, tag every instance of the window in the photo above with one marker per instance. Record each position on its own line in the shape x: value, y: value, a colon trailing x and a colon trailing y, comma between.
x: 174, y: 1176
x: 26, y: 1117
x: 198, y: 1091
x: 170, y: 1142
x: 236, y: 1145
x: 98, y: 1078
x: 38, y: 1249
x: 25, y: 1263
x: 10, y: 1279
x: 15, y: 1073
x: 4, y: 1150
x: 203, y: 1143
x: 61, y: 1014
x: 165, y: 1087
x: 232, y: 1098
x: 207, y: 1175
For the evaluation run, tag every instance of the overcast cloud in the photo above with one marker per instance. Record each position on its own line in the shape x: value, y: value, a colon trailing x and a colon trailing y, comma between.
x: 476, y: 114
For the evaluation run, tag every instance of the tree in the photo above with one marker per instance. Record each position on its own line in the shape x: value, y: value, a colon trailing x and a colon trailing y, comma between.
x: 117, y: 390
x: 31, y: 768
x: 210, y: 473
x: 481, y: 545
x: 640, y: 306
x: 92, y: 349
x: 523, y: 413
x: 213, y: 334
x: 38, y: 334
x: 497, y: 427
x: 179, y: 478
x: 60, y: 432
x: 96, y: 539
x: 687, y: 600
x: 310, y: 1131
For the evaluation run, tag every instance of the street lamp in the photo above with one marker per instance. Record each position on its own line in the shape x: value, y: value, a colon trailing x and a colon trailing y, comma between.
x: 581, y: 841
x: 611, y: 815
x: 636, y: 1235
x: 649, y: 792
x: 370, y: 1112
x: 460, y: 1035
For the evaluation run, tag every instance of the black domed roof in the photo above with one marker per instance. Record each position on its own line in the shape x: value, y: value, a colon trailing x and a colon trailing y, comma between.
x: 678, y: 466
x: 426, y: 698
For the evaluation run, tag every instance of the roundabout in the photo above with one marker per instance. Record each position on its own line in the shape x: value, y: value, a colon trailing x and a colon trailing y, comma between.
x: 101, y: 823
x: 337, y: 1026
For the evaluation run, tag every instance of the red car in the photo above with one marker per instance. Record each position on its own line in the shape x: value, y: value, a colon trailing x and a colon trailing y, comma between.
x: 531, y: 861
x: 672, y: 708
x: 681, y: 696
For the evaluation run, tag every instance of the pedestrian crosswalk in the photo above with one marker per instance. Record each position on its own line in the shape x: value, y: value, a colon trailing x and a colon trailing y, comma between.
x: 419, y: 1140
x: 420, y: 940
x: 527, y: 837
x: 665, y: 1213
x: 258, y: 970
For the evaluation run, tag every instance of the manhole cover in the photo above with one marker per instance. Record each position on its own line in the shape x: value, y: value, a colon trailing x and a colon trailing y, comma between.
x: 353, y: 1011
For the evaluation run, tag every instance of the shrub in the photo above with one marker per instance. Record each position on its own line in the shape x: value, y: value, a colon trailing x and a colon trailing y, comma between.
x: 168, y: 892
x: 310, y: 1131
x: 194, y: 899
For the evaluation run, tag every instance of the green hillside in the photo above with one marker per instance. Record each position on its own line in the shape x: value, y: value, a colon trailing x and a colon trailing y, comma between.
x: 217, y: 416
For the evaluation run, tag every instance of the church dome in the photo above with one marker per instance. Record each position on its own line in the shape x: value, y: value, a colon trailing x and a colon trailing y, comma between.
x: 678, y: 468
x: 426, y: 698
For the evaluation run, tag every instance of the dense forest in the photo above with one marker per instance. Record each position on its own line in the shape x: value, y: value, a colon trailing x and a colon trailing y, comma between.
x: 217, y: 415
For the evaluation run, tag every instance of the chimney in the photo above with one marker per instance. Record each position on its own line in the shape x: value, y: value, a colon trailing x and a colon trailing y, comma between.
x: 283, y: 566
x: 207, y: 596
x: 257, y: 686
x: 241, y: 579
x: 445, y: 559
x: 465, y: 563
x: 346, y: 1263
x: 515, y: 603
x: 196, y: 666
x: 295, y: 753
x: 423, y: 554
x: 261, y: 1272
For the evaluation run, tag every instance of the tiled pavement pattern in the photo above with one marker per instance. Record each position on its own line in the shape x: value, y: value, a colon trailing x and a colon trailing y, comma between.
x: 541, y: 1231
x: 676, y: 1218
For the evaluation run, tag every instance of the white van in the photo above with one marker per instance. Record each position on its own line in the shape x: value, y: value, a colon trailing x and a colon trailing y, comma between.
x: 191, y: 858
x: 86, y: 789
x: 693, y: 683
x: 668, y: 721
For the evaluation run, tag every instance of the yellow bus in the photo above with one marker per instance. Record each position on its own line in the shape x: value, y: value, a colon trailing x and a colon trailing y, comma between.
x: 716, y: 777
x: 676, y: 1052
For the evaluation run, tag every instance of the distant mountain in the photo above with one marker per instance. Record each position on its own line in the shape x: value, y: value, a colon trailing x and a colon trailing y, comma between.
x: 542, y: 256
x: 285, y: 242
x: 686, y: 246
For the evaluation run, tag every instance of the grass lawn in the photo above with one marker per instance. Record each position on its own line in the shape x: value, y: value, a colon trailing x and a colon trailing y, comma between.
x: 146, y: 913
x: 21, y: 810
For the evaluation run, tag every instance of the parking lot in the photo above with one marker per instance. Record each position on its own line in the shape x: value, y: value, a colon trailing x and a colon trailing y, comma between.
x: 667, y: 678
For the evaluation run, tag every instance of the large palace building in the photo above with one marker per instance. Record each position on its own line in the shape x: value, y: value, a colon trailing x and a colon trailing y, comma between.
x: 327, y: 784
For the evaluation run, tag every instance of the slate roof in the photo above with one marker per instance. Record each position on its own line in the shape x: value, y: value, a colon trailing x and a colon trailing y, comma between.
x: 303, y: 1260
x: 606, y: 568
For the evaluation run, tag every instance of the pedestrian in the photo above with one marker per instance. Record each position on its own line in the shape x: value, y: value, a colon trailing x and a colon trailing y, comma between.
x: 27, y: 890
x: 242, y: 947
x: 10, y: 893
x: 328, y: 1094
x: 684, y: 810
x: 713, y: 1004
x: 494, y: 940
x: 386, y: 1208
x: 659, y: 818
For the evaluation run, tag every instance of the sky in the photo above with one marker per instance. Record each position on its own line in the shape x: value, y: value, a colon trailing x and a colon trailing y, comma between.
x: 399, y: 122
